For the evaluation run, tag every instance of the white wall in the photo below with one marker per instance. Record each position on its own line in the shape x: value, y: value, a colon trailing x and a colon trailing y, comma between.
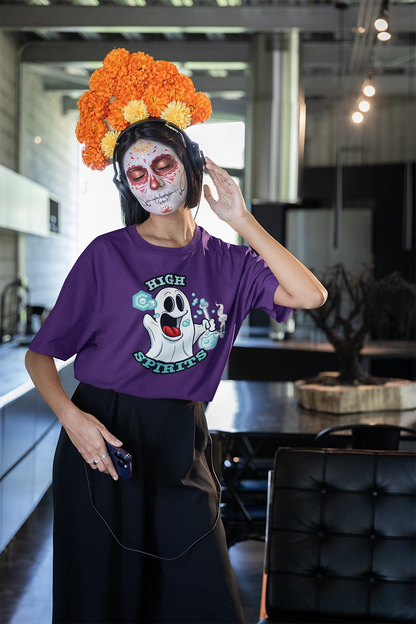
x: 8, y: 107
x: 54, y: 163
x: 8, y: 257
x: 8, y: 151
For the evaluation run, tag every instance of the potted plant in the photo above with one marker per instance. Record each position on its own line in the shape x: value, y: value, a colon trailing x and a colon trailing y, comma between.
x: 358, y: 306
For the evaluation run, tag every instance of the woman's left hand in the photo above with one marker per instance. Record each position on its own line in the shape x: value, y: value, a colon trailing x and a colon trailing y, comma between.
x: 230, y: 205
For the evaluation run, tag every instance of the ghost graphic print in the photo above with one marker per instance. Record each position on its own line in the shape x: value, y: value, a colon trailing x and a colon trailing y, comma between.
x: 171, y: 330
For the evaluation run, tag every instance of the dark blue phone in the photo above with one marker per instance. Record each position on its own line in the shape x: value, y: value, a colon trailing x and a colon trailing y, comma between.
x: 122, y: 460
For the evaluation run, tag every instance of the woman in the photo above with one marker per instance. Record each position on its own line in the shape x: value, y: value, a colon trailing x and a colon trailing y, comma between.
x: 151, y: 311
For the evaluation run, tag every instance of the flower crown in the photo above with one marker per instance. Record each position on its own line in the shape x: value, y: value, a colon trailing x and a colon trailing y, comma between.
x: 129, y: 88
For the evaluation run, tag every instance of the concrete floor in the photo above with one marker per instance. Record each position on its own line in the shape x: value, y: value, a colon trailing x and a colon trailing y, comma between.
x: 26, y: 572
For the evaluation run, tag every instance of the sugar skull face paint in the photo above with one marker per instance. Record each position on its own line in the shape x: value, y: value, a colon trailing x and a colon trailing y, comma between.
x: 156, y: 177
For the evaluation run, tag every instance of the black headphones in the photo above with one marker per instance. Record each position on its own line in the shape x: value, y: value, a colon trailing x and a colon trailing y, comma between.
x: 195, y: 155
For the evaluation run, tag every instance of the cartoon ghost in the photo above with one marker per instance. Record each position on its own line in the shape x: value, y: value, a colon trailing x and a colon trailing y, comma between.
x: 172, y: 331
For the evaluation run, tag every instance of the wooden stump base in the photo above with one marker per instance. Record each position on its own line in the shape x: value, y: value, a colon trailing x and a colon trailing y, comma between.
x: 395, y: 395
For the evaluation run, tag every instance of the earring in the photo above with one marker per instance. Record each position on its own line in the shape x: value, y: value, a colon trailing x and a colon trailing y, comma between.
x: 182, y: 182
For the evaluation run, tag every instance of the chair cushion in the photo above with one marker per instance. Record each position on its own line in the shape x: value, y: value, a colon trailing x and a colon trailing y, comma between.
x: 342, y: 536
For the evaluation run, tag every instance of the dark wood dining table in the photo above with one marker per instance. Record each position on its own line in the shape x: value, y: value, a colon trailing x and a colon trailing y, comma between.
x: 243, y: 410
x: 270, y: 407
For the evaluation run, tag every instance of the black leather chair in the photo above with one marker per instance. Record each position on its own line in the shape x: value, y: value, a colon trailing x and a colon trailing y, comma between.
x: 341, y: 537
x: 244, y: 472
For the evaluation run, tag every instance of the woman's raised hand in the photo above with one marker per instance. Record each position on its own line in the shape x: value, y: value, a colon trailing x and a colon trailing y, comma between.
x: 230, y: 205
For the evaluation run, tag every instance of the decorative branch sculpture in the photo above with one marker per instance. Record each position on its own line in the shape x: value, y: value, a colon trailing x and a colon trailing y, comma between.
x: 356, y: 306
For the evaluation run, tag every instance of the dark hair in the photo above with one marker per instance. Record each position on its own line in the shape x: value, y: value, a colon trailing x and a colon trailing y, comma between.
x: 180, y: 143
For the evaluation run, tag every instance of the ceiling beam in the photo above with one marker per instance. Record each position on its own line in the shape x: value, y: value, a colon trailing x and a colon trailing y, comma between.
x: 94, y: 51
x: 111, y: 18
x: 327, y: 86
x: 327, y: 53
x: 207, y: 84
x: 81, y: 52
x: 321, y: 86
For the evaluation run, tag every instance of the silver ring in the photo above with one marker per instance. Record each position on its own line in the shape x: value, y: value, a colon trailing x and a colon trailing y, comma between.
x: 103, y: 456
x: 96, y: 461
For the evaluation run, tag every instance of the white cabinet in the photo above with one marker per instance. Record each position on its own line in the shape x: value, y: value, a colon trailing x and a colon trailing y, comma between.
x: 24, y: 204
x: 29, y: 432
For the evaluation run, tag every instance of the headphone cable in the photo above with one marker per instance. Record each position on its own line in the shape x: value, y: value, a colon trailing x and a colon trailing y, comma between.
x: 142, y: 552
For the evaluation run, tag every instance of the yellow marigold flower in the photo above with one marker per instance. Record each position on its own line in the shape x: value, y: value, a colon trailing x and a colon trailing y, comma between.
x: 108, y: 142
x: 177, y: 113
x: 136, y: 110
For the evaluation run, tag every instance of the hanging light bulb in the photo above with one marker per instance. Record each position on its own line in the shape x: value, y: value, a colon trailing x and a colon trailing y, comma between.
x: 368, y: 87
x: 357, y: 117
x: 381, y: 24
x: 364, y: 106
x: 369, y: 90
x: 384, y: 36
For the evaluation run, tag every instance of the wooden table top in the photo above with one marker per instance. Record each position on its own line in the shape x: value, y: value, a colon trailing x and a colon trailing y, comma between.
x: 270, y: 407
x: 375, y: 349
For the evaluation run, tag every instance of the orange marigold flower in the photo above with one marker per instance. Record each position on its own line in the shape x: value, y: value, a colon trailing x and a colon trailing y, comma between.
x: 124, y: 88
x: 91, y: 129
x: 183, y: 89
x: 130, y: 88
x: 101, y: 83
x: 200, y: 107
x: 115, y: 114
x: 94, y: 157
x: 127, y: 88
x: 116, y: 63
x: 90, y: 104
x: 132, y: 84
x: 156, y: 99
x: 140, y: 64
x: 165, y: 72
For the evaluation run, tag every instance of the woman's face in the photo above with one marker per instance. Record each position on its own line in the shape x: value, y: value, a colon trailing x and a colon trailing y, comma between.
x: 156, y: 177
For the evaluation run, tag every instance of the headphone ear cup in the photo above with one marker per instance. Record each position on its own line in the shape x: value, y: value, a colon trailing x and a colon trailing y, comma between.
x: 196, y: 158
x: 201, y: 160
x: 123, y: 189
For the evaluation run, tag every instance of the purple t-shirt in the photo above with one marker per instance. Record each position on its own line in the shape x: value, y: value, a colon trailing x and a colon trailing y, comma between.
x: 156, y: 322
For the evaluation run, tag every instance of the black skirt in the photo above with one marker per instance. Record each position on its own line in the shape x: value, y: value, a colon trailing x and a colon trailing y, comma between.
x: 168, y: 503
